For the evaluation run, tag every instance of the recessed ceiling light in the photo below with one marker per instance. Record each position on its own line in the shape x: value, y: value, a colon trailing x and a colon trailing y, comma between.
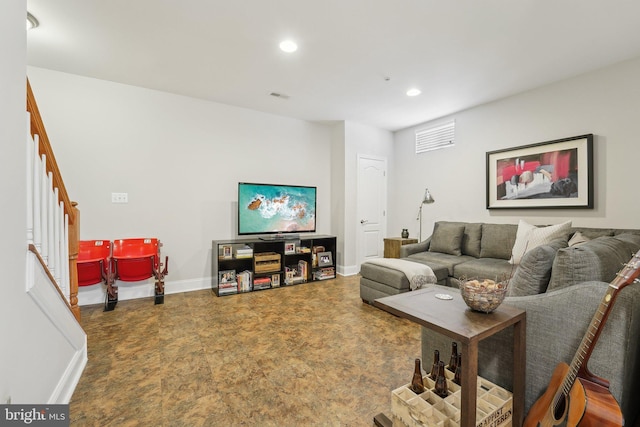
x: 413, y: 92
x: 288, y: 46
x: 32, y: 22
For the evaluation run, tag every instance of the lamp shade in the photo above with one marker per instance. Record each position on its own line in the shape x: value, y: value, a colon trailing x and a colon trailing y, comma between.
x: 428, y: 198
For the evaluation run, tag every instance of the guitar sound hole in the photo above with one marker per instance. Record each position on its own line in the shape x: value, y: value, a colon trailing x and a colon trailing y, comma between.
x: 559, y: 408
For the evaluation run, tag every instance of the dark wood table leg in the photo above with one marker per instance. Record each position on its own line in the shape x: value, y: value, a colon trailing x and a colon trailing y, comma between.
x: 469, y: 387
x: 519, y: 370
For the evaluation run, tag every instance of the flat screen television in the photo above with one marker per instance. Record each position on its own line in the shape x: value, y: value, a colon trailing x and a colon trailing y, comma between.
x: 276, y: 209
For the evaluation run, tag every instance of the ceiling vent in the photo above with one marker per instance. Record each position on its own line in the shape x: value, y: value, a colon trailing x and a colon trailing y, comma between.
x: 436, y: 137
x: 279, y: 95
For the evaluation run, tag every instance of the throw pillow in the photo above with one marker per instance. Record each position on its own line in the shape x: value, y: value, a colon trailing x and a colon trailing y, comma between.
x: 533, y: 274
x: 497, y: 240
x: 471, y: 239
x: 447, y: 238
x: 529, y: 236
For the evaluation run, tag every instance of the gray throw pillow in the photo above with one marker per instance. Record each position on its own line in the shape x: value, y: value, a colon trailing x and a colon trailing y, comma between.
x: 471, y: 239
x: 497, y: 240
x: 534, y: 271
x: 447, y: 238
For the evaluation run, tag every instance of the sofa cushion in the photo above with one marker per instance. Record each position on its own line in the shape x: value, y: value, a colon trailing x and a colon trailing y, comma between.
x: 471, y: 239
x: 529, y: 236
x: 593, y: 233
x: 447, y: 238
x: 497, y: 240
x: 485, y: 268
x: 598, y: 259
x: 534, y: 271
x: 437, y: 260
x: 632, y: 240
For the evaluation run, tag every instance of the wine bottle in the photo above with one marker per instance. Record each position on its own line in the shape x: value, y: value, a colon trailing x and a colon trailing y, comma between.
x: 456, y: 377
x: 417, y: 386
x: 434, y: 367
x: 441, y: 382
x: 453, y: 361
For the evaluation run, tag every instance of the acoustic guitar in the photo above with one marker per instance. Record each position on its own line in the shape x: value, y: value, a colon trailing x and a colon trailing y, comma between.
x: 576, y: 397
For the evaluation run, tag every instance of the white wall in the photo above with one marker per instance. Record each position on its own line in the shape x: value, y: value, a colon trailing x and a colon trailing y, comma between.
x: 43, y: 350
x: 605, y: 103
x: 178, y: 158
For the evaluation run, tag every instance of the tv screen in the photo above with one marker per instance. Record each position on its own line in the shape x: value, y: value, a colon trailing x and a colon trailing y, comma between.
x: 269, y: 209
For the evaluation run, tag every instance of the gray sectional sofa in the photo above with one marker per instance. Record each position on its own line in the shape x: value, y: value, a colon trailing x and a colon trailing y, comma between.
x: 560, y: 284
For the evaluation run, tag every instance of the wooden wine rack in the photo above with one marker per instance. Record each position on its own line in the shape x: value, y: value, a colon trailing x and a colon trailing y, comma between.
x: 494, y: 405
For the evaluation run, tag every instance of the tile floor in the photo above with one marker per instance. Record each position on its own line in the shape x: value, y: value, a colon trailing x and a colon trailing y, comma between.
x: 305, y: 355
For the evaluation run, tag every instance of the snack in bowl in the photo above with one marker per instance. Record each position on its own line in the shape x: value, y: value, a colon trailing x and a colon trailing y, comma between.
x: 483, y: 295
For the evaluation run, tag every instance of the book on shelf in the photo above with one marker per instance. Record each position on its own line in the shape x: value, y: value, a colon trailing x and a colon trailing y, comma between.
x: 244, y: 252
x: 227, y: 288
x: 303, y: 269
x: 325, y: 273
x: 245, y: 281
x: 261, y: 283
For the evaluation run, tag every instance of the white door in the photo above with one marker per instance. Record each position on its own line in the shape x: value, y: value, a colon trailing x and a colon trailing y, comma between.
x: 372, y: 207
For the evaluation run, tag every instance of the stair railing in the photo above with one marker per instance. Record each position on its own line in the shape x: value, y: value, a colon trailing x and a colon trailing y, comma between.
x: 53, y: 221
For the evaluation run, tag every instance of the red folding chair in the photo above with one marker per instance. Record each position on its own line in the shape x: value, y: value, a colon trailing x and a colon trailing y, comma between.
x: 139, y: 259
x: 94, y: 266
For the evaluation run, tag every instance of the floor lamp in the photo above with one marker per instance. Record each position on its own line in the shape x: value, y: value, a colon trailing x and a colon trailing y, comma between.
x: 427, y: 199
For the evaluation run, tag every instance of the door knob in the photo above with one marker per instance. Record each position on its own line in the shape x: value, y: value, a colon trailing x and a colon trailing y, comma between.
x: 364, y: 221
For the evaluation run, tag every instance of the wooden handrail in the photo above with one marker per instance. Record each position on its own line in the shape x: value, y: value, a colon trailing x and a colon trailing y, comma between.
x: 37, y: 127
x: 70, y: 209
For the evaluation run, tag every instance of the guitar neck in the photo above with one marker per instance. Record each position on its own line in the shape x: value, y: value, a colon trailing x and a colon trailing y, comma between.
x: 589, y: 340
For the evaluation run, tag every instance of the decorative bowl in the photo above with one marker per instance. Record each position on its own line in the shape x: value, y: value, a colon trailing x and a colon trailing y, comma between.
x: 483, y: 295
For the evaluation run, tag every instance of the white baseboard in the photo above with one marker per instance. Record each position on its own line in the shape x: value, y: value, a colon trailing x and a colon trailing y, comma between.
x: 349, y: 270
x: 95, y: 294
x: 67, y: 384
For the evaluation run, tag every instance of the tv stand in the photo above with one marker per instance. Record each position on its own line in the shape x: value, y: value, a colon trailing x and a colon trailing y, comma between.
x: 271, y: 261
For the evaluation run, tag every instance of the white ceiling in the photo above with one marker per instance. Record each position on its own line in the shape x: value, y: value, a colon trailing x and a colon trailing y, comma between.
x: 460, y: 53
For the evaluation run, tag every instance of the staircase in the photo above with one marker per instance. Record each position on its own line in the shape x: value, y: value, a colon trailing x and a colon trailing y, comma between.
x: 53, y: 220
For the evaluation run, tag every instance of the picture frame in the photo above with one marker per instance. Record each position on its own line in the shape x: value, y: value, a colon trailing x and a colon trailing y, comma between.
x: 227, y: 252
x: 289, y: 248
x: 226, y: 276
x: 275, y: 280
x: 325, y: 259
x: 554, y: 174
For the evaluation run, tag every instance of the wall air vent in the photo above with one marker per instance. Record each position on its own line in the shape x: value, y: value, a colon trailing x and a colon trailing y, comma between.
x: 279, y: 95
x: 436, y: 137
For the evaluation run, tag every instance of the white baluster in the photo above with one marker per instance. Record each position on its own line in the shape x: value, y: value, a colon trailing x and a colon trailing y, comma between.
x: 44, y: 208
x: 29, y: 184
x: 37, y: 199
x: 50, y: 224
x: 57, y: 235
x: 65, y: 259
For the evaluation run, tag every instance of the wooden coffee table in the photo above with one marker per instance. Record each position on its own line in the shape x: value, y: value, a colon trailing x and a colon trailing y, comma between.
x: 454, y: 319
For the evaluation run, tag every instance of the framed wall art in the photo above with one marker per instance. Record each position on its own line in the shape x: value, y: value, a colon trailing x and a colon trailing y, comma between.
x: 552, y: 174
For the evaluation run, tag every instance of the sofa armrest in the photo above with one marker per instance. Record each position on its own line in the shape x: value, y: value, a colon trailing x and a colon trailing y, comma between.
x: 414, y: 248
x: 556, y: 324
